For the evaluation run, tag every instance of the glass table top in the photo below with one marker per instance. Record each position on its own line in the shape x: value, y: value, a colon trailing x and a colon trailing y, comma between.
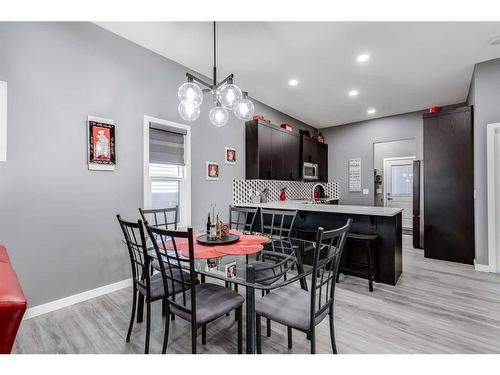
x: 279, y: 263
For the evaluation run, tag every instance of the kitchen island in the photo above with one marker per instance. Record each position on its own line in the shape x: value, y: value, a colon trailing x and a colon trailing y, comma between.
x: 385, y: 222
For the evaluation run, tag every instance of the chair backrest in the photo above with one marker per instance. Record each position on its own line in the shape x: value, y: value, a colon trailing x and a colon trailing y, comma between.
x: 161, y: 217
x: 327, y: 255
x: 178, y: 272
x: 277, y: 222
x: 242, y: 218
x: 137, y: 249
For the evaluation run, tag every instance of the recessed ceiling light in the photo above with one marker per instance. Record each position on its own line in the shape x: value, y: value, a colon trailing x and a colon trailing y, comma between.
x: 371, y: 111
x: 353, y: 92
x: 363, y: 58
x: 293, y: 82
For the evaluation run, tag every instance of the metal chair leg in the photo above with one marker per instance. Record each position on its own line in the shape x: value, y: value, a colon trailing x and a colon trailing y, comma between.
x: 148, y: 326
x: 132, y: 315
x: 268, y: 322
x: 239, y: 318
x: 227, y: 285
x: 332, y: 330
x: 194, y: 331
x: 290, y: 341
x: 165, y: 334
x: 140, y: 308
x: 204, y: 334
x: 258, y: 328
x: 313, y: 341
x: 371, y: 265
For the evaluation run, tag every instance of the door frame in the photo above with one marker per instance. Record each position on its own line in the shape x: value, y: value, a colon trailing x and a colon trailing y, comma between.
x: 493, y: 264
x: 403, y: 158
x: 185, y: 199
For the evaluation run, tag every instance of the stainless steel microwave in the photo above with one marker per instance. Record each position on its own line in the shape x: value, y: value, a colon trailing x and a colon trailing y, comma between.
x: 310, y: 171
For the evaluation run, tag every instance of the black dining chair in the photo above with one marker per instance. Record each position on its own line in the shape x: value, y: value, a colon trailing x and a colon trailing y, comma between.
x: 304, y: 310
x: 242, y: 218
x: 147, y: 287
x: 199, y: 304
x: 165, y: 218
x: 278, y: 226
x: 161, y: 217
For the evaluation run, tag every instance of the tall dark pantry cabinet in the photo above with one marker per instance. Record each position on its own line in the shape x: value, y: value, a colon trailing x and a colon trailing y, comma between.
x: 449, y: 185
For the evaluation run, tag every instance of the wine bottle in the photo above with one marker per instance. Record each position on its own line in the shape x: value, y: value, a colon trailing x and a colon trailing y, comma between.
x: 208, y: 225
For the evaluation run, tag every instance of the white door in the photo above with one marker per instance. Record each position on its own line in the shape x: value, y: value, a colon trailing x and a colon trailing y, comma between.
x: 493, y: 165
x: 398, y: 181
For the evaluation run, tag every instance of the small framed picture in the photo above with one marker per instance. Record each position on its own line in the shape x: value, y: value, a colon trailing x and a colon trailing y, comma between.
x: 230, y: 155
x: 230, y: 270
x: 212, y: 263
x: 101, y: 144
x: 212, y: 170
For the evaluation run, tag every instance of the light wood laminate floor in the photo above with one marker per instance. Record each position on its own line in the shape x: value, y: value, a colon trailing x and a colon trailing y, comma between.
x: 436, y: 307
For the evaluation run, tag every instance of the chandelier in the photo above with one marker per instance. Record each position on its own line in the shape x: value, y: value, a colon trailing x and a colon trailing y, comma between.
x: 225, y: 94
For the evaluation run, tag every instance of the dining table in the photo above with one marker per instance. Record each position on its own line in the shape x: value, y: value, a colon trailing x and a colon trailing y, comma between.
x: 260, y: 262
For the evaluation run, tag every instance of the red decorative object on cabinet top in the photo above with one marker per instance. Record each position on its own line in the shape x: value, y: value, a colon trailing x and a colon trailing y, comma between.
x: 286, y: 126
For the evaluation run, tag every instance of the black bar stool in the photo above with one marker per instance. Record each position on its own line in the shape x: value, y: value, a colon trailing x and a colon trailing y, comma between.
x: 369, y: 241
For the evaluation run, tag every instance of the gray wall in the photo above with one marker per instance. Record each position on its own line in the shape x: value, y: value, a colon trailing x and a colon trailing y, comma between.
x: 57, y: 219
x: 484, y: 94
x: 356, y: 141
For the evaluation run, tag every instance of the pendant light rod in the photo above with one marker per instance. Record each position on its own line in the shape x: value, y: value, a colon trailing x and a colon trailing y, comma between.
x: 214, y: 85
x: 215, y: 58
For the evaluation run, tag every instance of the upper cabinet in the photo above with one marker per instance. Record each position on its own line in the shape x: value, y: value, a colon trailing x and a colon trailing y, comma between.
x: 316, y: 153
x: 272, y: 153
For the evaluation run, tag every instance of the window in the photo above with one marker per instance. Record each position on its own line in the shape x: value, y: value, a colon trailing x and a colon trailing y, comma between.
x: 165, y: 184
x: 167, y: 171
x: 402, y: 179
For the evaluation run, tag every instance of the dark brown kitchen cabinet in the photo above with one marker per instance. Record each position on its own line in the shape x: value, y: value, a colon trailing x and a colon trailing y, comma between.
x: 277, y: 162
x: 265, y: 153
x: 449, y: 185
x: 317, y: 153
x: 309, y: 150
x: 322, y: 153
x: 271, y: 153
x: 291, y: 156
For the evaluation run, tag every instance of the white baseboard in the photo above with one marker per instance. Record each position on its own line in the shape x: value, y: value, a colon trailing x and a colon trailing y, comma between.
x: 483, y: 267
x: 75, y: 298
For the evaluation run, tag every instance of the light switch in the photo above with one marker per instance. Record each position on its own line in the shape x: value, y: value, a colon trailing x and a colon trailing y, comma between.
x: 366, y: 191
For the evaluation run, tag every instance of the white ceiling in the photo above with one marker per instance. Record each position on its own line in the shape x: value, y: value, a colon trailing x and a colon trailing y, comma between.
x: 413, y: 65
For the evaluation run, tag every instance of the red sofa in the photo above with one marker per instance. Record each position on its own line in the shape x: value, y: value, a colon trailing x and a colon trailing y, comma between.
x: 12, y: 303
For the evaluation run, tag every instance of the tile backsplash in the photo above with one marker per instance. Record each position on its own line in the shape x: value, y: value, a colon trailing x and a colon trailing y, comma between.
x: 243, y: 189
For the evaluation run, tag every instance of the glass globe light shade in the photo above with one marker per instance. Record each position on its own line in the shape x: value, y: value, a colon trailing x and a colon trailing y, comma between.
x: 218, y: 116
x: 190, y: 92
x: 229, y: 96
x: 188, y: 111
x: 244, y: 110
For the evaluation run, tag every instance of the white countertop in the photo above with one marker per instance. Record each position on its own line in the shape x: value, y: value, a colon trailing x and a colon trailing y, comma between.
x: 328, y: 208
